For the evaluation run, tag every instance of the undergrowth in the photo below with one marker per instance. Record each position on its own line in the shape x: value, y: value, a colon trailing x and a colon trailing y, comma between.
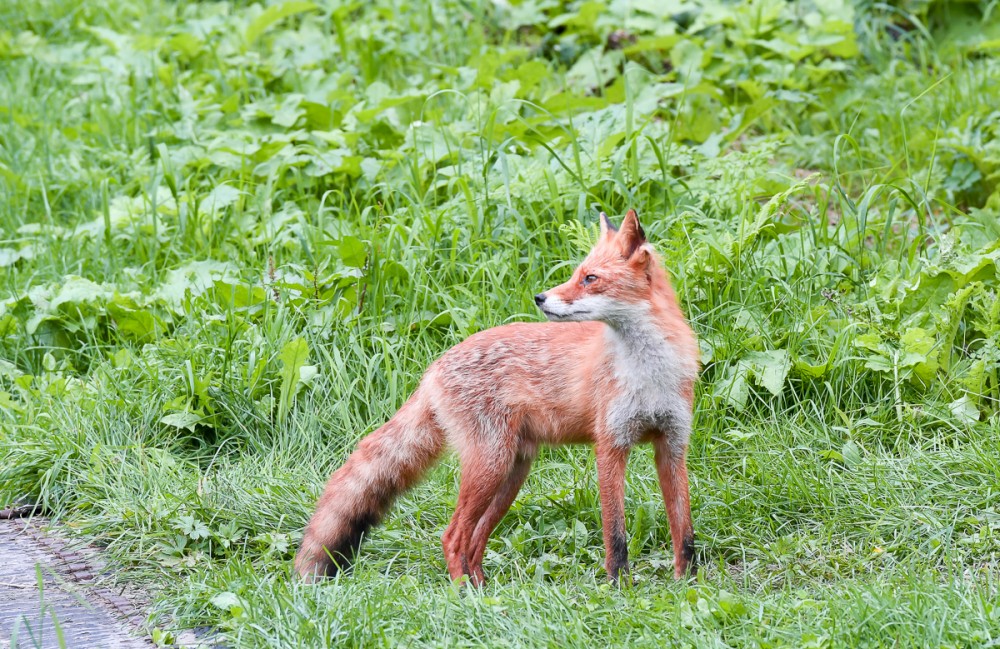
x: 234, y: 234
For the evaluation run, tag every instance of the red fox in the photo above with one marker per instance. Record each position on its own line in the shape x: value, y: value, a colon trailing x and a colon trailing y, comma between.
x: 616, y: 366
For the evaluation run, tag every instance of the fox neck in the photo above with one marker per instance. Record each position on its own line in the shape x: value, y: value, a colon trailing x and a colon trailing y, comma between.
x: 647, y: 355
x: 650, y: 373
x: 639, y: 331
x: 652, y: 341
x: 650, y: 321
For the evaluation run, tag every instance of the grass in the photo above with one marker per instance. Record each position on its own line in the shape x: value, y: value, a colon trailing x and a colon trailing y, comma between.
x: 233, y: 236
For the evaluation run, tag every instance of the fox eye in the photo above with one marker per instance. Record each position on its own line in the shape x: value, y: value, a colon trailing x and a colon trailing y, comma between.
x: 589, y: 279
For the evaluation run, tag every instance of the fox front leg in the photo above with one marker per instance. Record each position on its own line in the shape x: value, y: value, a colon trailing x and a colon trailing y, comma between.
x: 671, y: 467
x: 611, y: 463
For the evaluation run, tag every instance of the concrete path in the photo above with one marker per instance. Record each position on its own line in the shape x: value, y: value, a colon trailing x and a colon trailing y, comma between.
x: 68, y: 610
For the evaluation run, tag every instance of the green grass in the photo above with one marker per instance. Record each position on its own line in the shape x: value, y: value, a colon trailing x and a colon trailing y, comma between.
x: 232, y: 238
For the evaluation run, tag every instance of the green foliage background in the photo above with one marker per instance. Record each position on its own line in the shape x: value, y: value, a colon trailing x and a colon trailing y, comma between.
x: 234, y: 234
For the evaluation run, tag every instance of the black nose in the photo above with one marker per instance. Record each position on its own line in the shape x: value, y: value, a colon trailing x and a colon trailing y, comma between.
x: 540, y: 299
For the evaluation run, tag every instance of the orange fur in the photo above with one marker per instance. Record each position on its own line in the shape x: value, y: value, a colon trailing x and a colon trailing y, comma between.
x: 617, y: 368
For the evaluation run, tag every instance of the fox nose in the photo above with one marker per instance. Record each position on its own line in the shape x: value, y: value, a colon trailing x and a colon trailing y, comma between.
x: 540, y: 299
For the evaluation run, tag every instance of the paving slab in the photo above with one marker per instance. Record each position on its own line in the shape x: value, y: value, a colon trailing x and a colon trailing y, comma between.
x: 67, y: 608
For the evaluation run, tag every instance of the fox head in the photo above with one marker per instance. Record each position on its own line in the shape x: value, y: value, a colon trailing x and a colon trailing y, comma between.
x: 615, y: 283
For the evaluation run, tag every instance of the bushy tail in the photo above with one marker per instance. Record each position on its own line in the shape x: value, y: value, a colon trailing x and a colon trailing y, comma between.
x: 358, y: 494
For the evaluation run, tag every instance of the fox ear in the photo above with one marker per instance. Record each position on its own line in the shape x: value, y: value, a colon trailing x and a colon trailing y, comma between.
x: 642, y: 257
x: 630, y: 235
x: 607, y: 227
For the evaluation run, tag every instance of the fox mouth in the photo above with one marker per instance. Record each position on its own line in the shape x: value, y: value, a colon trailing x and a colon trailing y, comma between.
x: 558, y: 317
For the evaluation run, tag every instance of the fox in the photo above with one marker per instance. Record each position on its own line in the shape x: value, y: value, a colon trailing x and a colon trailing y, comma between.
x: 615, y: 366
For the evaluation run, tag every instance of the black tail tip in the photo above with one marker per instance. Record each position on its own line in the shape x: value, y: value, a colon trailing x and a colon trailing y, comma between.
x: 312, y: 569
x: 317, y: 561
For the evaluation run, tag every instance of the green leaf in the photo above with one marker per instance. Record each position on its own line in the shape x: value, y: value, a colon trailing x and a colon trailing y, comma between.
x: 218, y: 199
x: 272, y: 15
x: 77, y: 290
x: 8, y: 370
x: 687, y: 58
x: 833, y: 456
x: 196, y: 530
x: 10, y: 256
x: 851, y: 453
x: 769, y: 368
x: 919, y: 352
x: 808, y: 369
x: 227, y: 601
x: 307, y: 373
x: 730, y: 604
x: 733, y: 387
x: 133, y: 323
x: 293, y: 357
x: 186, y: 420
x: 594, y: 69
x: 583, y: 19
x: 965, y: 410
x: 870, y: 341
x: 194, y: 278
x: 289, y: 112
x: 187, y: 45
x: 352, y: 252
x: 241, y: 296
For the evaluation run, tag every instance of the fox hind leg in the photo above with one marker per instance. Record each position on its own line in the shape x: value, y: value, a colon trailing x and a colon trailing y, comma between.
x: 483, y: 477
x: 495, y: 512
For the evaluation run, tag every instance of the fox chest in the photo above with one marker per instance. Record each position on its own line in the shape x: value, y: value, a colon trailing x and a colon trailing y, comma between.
x: 648, y: 396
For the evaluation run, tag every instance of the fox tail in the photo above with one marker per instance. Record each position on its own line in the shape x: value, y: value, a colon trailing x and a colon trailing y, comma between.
x: 359, y: 494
